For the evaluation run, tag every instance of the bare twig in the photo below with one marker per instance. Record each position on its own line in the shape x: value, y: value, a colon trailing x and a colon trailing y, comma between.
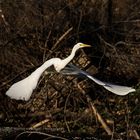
x: 100, y: 119
x: 125, y: 43
x: 80, y: 19
x: 8, y: 81
x: 135, y: 134
x: 46, y: 43
x: 62, y: 37
x: 96, y: 113
x: 3, y: 17
x: 54, y: 47
x: 39, y: 124
x: 18, y: 131
x: 40, y: 133
x: 68, y: 128
x: 106, y: 43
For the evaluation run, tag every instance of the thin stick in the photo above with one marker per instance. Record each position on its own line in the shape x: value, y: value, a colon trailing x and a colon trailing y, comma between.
x: 137, y: 137
x: 62, y: 37
x: 39, y: 124
x: 46, y: 44
x: 68, y: 128
x: 54, y: 47
x: 40, y: 133
x: 100, y: 119
x: 8, y: 81
x: 96, y: 113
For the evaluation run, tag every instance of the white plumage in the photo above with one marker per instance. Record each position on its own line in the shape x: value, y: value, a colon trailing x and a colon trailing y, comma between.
x: 116, y: 89
x: 23, y: 89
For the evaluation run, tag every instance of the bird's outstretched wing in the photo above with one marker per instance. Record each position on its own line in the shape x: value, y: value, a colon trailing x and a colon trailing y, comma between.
x: 116, y: 89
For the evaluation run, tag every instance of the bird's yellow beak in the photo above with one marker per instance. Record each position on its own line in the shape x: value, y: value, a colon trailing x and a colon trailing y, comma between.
x: 85, y: 45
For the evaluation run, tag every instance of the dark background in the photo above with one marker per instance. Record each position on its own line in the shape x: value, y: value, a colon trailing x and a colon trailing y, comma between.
x: 29, y: 35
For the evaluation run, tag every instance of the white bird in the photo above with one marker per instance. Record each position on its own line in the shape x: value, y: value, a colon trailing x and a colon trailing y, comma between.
x: 23, y: 89
x: 116, y: 89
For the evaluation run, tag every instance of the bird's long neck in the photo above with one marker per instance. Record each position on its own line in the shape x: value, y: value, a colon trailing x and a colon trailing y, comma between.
x: 38, y: 72
x: 70, y: 57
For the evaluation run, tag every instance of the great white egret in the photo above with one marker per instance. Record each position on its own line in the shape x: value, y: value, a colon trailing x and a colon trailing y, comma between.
x: 116, y: 89
x: 23, y: 89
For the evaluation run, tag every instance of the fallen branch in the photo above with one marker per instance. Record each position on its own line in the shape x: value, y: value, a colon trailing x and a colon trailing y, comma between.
x: 40, y: 133
x: 100, y: 119
x: 39, y: 124
x: 96, y: 113
x: 9, y: 132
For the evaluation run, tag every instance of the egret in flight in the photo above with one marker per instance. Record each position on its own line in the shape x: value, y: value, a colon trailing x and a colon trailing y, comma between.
x: 116, y: 89
x: 23, y: 89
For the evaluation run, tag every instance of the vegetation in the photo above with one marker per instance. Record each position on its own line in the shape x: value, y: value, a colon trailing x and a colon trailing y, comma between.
x: 65, y: 107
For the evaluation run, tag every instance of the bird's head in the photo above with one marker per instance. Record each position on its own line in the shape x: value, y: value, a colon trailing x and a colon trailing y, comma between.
x: 60, y: 64
x: 80, y: 45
